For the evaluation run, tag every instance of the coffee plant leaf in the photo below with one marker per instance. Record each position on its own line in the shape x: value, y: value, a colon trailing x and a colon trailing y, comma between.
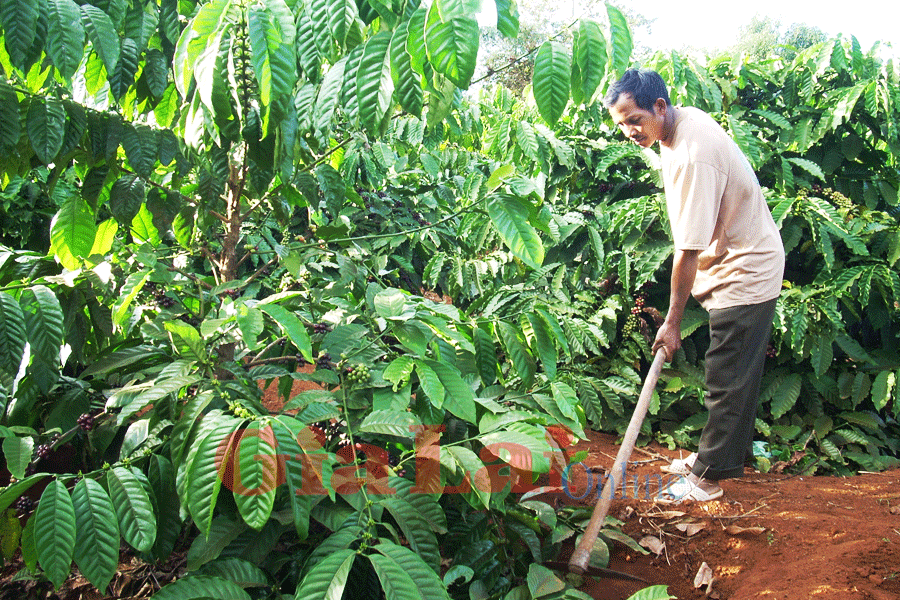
x: 407, y: 84
x: 521, y: 445
x: 72, y: 233
x: 475, y: 479
x: 399, y: 371
x: 522, y: 360
x: 327, y: 579
x: 238, y: 571
x: 162, y: 479
x: 422, y: 540
x: 431, y: 384
x: 883, y: 389
x: 96, y: 549
x: 54, y: 532
x: 46, y: 121
x: 452, y: 44
x: 292, y: 326
x: 393, y: 423
x: 204, y: 549
x: 509, y: 215
x: 256, y: 474
x: 543, y: 582
x: 13, y: 334
x: 18, y: 453
x: 133, y: 507
x: 459, y: 398
x: 208, y: 467
x: 426, y: 504
x: 197, y: 587
x: 306, y: 468
x: 374, y: 80
x: 653, y: 592
x: 428, y: 582
x: 543, y: 344
x: 620, y: 40
x: 271, y: 32
x: 552, y: 76
x: 44, y: 323
x: 785, y: 395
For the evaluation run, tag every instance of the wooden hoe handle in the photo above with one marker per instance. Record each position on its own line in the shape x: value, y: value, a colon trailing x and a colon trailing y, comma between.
x: 578, y: 563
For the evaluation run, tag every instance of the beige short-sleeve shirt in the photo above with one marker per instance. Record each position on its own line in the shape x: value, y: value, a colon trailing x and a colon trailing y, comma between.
x: 715, y: 205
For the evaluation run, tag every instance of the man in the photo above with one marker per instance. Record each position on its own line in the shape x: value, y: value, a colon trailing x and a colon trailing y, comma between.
x: 728, y: 255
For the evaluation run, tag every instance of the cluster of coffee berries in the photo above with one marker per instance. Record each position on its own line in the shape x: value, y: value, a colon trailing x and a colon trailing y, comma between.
x: 371, y: 200
x: 24, y: 505
x: 631, y: 322
x: 42, y: 451
x: 357, y: 374
x: 418, y: 218
x: 840, y: 200
x: 320, y: 328
x: 159, y: 295
x: 770, y: 351
x: 86, y: 421
x: 324, y: 361
x: 638, y: 305
x: 240, y: 411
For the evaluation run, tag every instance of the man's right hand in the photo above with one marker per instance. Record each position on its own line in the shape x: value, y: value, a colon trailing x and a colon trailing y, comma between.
x: 669, y: 338
x: 684, y: 270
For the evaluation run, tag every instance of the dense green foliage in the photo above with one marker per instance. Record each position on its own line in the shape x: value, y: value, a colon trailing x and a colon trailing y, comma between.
x: 240, y: 189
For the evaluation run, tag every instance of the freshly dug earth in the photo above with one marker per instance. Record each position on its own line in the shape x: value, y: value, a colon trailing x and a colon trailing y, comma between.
x: 771, y: 536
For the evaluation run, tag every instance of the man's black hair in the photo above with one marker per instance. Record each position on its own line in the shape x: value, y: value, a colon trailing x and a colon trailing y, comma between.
x: 644, y: 85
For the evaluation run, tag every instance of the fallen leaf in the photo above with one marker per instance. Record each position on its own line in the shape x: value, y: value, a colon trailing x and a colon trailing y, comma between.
x: 691, y: 528
x: 704, y: 576
x: 653, y: 544
x: 735, y: 530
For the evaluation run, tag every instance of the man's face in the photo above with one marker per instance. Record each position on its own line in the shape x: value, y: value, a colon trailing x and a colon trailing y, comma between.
x: 643, y: 127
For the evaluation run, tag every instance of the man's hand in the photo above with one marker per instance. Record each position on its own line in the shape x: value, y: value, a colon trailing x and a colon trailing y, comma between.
x: 684, y: 269
x: 669, y: 338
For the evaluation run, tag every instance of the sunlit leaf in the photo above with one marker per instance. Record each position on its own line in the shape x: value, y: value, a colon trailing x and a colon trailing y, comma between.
x: 552, y: 74
x: 452, y: 48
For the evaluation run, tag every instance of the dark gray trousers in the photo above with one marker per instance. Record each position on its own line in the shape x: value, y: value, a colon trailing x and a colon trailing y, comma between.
x: 739, y: 337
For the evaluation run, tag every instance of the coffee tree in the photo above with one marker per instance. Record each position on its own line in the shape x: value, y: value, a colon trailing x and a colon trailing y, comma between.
x: 240, y: 189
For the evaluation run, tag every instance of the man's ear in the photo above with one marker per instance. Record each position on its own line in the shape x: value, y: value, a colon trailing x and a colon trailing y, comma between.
x: 660, y: 106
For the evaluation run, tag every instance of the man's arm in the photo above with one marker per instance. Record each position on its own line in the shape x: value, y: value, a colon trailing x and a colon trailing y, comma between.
x: 684, y: 270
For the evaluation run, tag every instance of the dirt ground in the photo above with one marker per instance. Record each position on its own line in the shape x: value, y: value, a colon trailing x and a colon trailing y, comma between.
x: 771, y: 536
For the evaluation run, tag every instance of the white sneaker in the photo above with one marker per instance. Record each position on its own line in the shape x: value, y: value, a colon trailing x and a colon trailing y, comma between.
x: 681, y: 466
